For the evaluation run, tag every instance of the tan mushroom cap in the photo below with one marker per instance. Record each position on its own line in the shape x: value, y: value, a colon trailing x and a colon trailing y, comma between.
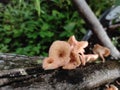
x: 50, y: 63
x: 72, y: 41
x: 83, y: 44
x: 74, y: 61
x: 101, y: 51
x: 77, y: 46
x: 111, y: 87
x: 60, y: 50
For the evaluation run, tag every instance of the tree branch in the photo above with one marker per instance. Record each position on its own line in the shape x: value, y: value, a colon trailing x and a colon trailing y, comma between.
x: 96, y: 27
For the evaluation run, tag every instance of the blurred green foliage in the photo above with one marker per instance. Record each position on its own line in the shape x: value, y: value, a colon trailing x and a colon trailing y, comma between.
x: 30, y: 26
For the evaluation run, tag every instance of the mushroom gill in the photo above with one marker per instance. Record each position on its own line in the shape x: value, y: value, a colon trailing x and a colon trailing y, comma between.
x: 78, y: 47
x: 74, y: 61
x: 91, y: 57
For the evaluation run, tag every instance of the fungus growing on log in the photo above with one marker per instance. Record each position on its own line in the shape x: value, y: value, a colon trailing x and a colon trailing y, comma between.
x: 70, y: 54
x: 111, y: 87
x: 101, y: 51
x: 59, y: 55
x: 60, y: 51
x: 78, y: 47
x: 72, y: 41
x: 50, y: 63
x: 74, y: 61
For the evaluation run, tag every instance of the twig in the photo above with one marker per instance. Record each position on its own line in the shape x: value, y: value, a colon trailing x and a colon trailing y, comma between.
x: 113, y: 27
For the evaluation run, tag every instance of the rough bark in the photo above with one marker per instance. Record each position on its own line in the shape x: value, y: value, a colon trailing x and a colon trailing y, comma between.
x: 30, y: 76
x: 11, y: 61
x: 96, y: 27
x: 89, y: 77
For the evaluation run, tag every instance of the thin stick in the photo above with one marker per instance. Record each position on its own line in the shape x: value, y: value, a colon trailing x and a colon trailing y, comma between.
x: 96, y: 27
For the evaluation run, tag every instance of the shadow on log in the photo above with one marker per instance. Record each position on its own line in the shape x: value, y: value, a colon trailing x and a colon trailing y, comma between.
x: 89, y: 77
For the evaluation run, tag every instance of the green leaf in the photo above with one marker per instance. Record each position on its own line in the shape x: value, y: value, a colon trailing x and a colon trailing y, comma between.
x: 7, y: 40
x: 7, y: 27
x: 37, y: 6
x: 117, y: 2
x: 70, y: 26
x: 44, y: 34
x: 45, y: 26
x: 82, y: 30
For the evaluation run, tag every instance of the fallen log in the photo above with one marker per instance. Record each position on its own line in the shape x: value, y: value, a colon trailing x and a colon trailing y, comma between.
x: 82, y: 78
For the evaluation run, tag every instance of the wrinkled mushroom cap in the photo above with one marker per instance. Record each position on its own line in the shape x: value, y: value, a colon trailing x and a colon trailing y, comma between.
x: 83, y: 44
x: 98, y: 49
x: 60, y: 50
x: 74, y: 61
x: 50, y: 63
x: 79, y: 48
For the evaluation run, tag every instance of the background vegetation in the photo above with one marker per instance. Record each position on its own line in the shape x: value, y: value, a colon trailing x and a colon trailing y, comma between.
x: 30, y: 26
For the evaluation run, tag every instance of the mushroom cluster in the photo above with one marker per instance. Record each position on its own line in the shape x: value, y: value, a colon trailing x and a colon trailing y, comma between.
x: 71, y: 54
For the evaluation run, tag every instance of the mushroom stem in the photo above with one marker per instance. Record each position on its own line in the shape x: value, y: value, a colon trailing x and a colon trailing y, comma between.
x: 82, y: 58
x: 101, y: 56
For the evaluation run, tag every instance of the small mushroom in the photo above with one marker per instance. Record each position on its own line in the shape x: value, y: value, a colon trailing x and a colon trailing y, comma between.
x: 74, y: 61
x: 101, y: 51
x: 111, y: 87
x: 60, y: 50
x: 50, y: 63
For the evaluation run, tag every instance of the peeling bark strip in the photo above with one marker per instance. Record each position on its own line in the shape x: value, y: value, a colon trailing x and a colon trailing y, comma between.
x: 97, y: 28
x: 82, y: 78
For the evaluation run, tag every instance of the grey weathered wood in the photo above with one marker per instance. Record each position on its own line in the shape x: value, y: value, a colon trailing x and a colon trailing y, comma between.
x: 32, y: 77
x: 82, y: 78
x: 96, y: 27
